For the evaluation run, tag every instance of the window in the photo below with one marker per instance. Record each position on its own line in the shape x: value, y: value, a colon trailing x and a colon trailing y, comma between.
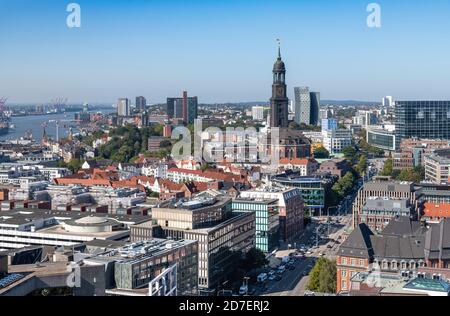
x: 436, y: 276
x: 353, y: 262
x: 344, y: 273
x: 344, y: 284
x: 361, y: 263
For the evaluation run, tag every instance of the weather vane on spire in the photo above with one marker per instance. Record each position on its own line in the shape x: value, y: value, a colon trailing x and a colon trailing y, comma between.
x: 279, y: 48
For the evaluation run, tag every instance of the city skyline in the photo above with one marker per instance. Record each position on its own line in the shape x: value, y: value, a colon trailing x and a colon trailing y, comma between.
x: 146, y: 48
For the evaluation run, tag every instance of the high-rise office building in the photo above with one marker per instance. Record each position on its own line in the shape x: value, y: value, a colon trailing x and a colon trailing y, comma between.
x: 192, y: 110
x: 141, y: 103
x: 279, y: 103
x: 185, y: 108
x: 258, y: 113
x: 307, y: 106
x: 388, y: 101
x: 302, y: 105
x: 123, y: 107
x: 329, y: 125
x: 315, y: 106
x: 422, y: 119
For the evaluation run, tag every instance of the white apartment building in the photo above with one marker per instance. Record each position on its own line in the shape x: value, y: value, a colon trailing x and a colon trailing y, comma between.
x: 335, y: 141
x: 437, y: 166
x: 258, y: 113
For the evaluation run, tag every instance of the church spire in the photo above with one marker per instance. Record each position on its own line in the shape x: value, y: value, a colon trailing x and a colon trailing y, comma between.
x: 279, y: 48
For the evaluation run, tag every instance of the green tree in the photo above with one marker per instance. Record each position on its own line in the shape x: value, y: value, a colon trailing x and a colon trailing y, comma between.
x: 75, y: 165
x: 314, y: 276
x: 321, y: 153
x: 344, y: 185
x: 322, y: 277
x: 165, y: 144
x: 349, y: 153
x: 416, y: 175
x: 361, y: 167
x: 327, y: 277
x: 254, y: 259
x: 387, y: 168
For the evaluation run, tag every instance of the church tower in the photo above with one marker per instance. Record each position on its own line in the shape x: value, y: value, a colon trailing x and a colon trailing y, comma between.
x: 279, y: 103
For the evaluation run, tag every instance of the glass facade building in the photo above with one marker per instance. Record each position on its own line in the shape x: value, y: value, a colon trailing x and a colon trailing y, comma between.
x: 382, y: 139
x: 423, y: 119
x: 313, y: 189
x: 267, y: 221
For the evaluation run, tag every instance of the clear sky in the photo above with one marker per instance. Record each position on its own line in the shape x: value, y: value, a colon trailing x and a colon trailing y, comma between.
x: 222, y: 50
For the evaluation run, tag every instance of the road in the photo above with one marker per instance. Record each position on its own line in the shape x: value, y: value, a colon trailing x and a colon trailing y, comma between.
x: 294, y: 282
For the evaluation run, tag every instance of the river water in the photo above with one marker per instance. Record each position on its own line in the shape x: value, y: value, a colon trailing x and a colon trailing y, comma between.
x: 34, y: 124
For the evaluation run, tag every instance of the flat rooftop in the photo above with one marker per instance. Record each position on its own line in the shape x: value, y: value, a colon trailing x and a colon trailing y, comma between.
x: 255, y: 200
x: 196, y: 203
x: 135, y: 252
x: 24, y: 216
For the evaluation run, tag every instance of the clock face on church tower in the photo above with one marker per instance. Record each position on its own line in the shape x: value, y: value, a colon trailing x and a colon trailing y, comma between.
x: 280, y: 92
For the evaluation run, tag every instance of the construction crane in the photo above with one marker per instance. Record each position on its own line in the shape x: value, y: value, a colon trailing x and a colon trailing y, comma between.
x: 57, y: 122
x: 3, y: 104
x: 59, y: 104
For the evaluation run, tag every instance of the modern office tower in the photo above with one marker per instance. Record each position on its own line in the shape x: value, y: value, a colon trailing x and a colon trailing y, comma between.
x: 291, y: 107
x: 170, y: 107
x: 313, y: 190
x: 133, y: 266
x: 185, y: 108
x: 365, y: 118
x: 290, y: 207
x: 192, y: 110
x: 141, y: 103
x: 422, y: 119
x: 220, y: 232
x: 388, y: 101
x: 267, y: 220
x: 329, y: 125
x: 279, y: 103
x: 123, y: 107
x: 144, y: 118
x: 315, y: 106
x: 302, y: 105
x: 258, y: 113
x: 325, y: 114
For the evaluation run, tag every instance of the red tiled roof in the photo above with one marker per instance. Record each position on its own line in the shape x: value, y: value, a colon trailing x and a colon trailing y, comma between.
x: 296, y: 161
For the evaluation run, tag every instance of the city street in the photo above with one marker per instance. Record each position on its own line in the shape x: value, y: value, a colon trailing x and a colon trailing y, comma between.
x: 294, y: 282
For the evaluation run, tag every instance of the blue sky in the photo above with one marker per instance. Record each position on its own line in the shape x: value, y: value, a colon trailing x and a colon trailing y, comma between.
x: 222, y: 50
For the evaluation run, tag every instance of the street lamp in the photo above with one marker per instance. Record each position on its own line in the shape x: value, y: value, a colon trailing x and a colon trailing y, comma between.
x: 246, y: 284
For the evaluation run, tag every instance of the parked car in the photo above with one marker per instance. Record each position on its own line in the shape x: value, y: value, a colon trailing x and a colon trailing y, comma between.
x: 262, y: 278
x: 243, y: 290
x: 281, y: 269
